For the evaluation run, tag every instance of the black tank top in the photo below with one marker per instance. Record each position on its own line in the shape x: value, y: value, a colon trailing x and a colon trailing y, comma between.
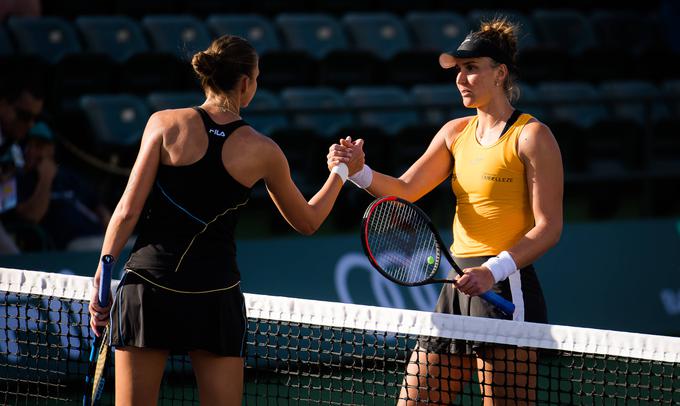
x: 186, y: 233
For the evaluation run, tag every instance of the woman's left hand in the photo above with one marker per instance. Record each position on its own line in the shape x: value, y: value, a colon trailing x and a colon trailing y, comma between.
x: 477, y: 280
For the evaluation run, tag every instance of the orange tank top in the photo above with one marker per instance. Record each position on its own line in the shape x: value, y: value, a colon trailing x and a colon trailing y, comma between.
x: 492, y: 200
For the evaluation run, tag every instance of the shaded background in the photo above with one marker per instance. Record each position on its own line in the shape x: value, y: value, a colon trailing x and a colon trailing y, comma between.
x: 606, y: 79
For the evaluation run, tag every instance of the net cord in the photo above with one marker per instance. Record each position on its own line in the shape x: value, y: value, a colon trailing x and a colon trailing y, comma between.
x: 373, y: 318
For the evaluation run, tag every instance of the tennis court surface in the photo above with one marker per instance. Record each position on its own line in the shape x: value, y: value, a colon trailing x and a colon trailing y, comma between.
x: 304, y: 352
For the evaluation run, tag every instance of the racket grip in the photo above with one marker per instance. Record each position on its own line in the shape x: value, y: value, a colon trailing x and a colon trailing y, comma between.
x: 501, y: 303
x: 105, y: 280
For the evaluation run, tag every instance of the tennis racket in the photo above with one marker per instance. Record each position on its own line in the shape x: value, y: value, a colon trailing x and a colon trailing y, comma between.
x: 99, y: 353
x: 403, y: 245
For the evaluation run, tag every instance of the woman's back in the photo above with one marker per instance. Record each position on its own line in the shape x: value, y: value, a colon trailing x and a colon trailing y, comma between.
x: 189, y: 218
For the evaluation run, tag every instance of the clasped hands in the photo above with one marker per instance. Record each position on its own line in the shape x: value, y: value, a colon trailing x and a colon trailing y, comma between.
x: 348, y: 152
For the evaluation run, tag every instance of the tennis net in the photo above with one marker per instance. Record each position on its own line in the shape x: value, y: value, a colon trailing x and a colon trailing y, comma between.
x: 306, y: 352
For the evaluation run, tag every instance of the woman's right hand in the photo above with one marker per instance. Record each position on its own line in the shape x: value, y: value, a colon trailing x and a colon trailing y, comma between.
x: 99, y: 316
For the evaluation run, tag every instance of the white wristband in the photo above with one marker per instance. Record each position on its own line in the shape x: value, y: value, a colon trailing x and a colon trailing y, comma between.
x: 363, y: 178
x: 342, y: 171
x: 501, y: 266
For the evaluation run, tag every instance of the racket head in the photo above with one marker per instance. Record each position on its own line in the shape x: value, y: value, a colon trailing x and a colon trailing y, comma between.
x: 400, y: 241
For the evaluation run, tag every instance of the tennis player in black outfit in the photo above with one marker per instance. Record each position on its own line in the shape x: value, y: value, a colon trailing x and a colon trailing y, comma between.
x: 193, y: 175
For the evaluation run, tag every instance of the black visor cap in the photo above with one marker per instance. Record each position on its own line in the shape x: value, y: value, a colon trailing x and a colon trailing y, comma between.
x: 475, y: 47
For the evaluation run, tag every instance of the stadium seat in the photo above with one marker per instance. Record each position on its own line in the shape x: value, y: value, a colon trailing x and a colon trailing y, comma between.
x: 174, y: 100
x: 86, y: 243
x: 665, y: 148
x: 265, y: 112
x: 119, y: 37
x: 437, y: 31
x: 152, y: 72
x: 410, y: 143
x: 379, y: 146
x: 306, y: 152
x: 316, y: 34
x: 412, y: 67
x: 536, y: 61
x: 339, y: 7
x: 6, y: 47
x: 529, y: 102
x: 321, y: 109
x: 618, y: 35
x: 279, y: 69
x: 566, y: 29
x: 576, y: 102
x: 83, y: 73
x: 258, y: 30
x: 387, y: 107
x: 74, y: 8
x: 30, y: 68
x: 670, y: 91
x: 668, y: 69
x: 527, y: 31
x: 433, y: 33
x: 661, y: 205
x: 615, y: 147
x: 401, y: 7
x: 439, y: 103
x: 181, y: 35
x: 348, y: 67
x: 384, y: 34
x: 138, y: 9
x: 539, y: 63
x: 48, y: 37
x: 117, y: 119
x: 595, y: 65
x: 275, y: 7
x: 667, y: 14
x: 207, y: 7
x: 117, y: 122
x: 570, y: 138
x: 626, y: 30
x: 639, y: 101
x: 306, y: 161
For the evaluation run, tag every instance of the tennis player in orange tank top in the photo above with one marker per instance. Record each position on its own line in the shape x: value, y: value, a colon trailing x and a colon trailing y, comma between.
x: 493, y: 209
x: 506, y: 172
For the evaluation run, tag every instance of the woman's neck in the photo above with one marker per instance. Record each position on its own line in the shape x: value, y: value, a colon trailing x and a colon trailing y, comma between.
x: 223, y: 104
x: 491, y: 121
x: 491, y: 115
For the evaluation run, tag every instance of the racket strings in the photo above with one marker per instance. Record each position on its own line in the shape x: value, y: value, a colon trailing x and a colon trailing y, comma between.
x: 402, y: 243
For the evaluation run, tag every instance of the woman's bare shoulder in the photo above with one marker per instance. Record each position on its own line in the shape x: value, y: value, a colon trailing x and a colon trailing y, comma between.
x: 454, y: 127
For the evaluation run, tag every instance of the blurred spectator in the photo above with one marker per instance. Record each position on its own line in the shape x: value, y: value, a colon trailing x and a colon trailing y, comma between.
x: 9, y: 159
x: 19, y: 8
x: 21, y: 102
x: 54, y: 197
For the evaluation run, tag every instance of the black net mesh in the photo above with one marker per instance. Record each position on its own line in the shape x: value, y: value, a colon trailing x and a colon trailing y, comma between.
x: 337, y: 354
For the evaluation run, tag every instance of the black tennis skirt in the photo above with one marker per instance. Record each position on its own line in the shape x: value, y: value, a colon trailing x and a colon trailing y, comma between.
x: 522, y: 288
x: 149, y: 316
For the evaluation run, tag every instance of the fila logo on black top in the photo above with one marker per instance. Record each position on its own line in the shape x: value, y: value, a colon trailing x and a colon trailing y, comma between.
x: 217, y: 132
